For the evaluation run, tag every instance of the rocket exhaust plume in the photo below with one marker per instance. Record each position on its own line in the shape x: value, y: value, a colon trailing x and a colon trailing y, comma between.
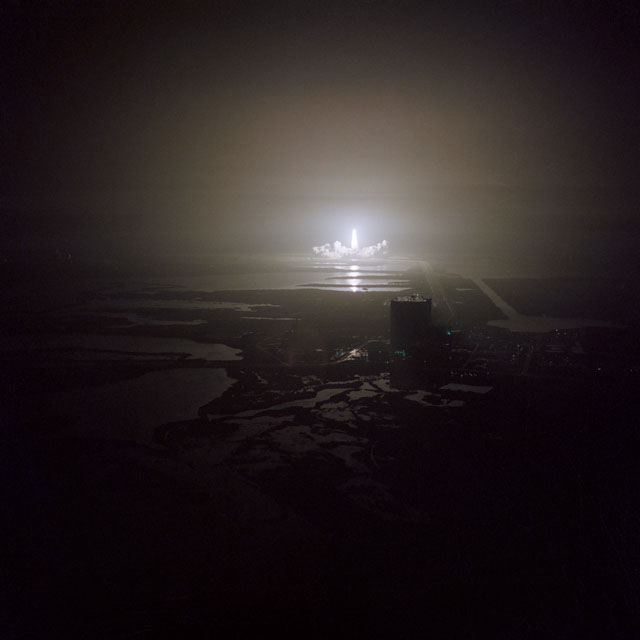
x: 339, y: 250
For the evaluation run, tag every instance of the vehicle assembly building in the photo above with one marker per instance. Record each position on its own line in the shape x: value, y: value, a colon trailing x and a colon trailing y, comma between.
x: 410, y: 321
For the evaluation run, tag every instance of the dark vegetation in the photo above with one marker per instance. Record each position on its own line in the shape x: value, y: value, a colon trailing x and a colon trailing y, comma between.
x: 515, y: 515
x: 614, y: 299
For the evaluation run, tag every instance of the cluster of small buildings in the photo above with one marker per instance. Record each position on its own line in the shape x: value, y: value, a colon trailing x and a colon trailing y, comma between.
x: 480, y: 352
x: 472, y: 355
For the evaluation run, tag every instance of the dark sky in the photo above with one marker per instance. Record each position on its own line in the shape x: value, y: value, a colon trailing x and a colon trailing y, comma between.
x: 105, y: 102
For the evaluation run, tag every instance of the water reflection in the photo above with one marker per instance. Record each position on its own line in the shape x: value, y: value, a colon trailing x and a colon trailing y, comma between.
x: 354, y: 282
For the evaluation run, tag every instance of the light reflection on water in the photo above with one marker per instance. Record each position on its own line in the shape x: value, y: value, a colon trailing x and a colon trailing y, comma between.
x: 290, y: 272
x: 377, y: 275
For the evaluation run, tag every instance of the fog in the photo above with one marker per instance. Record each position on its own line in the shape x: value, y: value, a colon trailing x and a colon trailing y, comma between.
x: 163, y: 227
x: 136, y: 131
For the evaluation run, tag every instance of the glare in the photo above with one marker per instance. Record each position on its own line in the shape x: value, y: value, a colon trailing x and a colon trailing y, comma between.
x: 337, y: 250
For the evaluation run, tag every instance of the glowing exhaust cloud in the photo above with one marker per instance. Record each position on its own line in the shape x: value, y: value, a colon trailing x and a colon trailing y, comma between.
x: 339, y: 250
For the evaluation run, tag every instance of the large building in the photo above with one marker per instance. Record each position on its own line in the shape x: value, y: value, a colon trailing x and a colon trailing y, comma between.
x: 410, y: 321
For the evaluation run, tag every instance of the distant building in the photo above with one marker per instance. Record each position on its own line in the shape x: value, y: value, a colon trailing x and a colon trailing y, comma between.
x: 410, y: 318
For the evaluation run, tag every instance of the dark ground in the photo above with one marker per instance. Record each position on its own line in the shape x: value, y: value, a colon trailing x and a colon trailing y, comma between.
x: 516, y: 515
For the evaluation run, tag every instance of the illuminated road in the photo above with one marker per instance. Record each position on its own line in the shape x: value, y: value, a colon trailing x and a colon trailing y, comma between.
x: 506, y: 308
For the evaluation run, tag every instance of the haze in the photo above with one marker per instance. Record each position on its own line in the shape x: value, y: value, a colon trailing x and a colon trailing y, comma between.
x: 161, y: 129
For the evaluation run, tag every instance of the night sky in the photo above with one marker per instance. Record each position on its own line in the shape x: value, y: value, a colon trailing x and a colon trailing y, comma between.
x: 227, y: 112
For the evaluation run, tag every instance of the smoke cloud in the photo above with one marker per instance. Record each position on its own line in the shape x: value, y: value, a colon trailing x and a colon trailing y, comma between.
x: 339, y: 250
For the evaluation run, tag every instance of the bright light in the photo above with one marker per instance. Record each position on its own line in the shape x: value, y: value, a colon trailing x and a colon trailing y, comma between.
x: 337, y: 250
